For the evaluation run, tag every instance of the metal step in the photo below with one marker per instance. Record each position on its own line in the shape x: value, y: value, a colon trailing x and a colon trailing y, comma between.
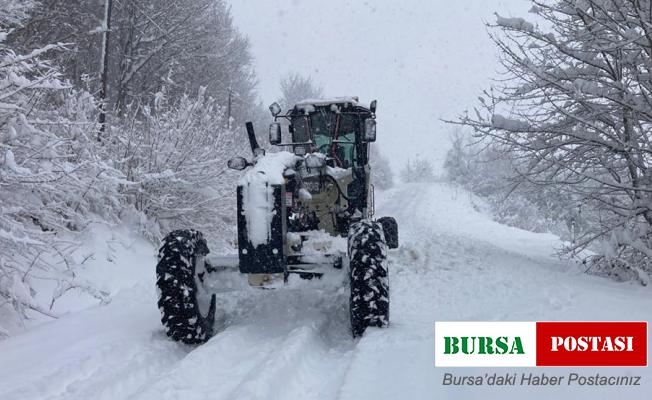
x: 216, y: 263
x: 304, y: 274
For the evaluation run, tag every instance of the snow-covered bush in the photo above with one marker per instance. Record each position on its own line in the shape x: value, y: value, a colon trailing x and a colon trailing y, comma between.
x: 12, y: 14
x: 51, y: 179
x: 174, y: 159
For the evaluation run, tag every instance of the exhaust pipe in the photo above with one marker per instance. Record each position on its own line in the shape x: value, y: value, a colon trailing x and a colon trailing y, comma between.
x: 252, y: 137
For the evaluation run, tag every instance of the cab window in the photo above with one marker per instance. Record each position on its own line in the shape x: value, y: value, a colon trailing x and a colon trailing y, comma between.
x: 322, y: 126
x: 300, y: 132
x: 345, y: 151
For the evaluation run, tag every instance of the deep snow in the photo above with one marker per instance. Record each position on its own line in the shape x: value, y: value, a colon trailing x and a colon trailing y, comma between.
x: 454, y: 263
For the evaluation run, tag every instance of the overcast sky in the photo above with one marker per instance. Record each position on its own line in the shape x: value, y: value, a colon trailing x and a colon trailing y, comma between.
x: 422, y: 60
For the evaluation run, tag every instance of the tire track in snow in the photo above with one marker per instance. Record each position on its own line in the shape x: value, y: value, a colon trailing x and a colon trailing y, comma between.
x: 279, y: 344
x: 100, y: 353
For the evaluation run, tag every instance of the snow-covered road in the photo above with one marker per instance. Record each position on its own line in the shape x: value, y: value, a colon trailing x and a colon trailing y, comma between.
x: 454, y: 263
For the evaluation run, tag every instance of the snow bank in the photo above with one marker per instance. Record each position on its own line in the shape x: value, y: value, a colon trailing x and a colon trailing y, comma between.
x: 108, y: 260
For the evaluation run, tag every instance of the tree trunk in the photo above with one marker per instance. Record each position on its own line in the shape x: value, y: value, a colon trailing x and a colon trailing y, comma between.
x: 104, y: 67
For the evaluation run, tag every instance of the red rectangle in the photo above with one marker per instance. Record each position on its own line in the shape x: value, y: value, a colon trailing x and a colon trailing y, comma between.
x: 592, y: 344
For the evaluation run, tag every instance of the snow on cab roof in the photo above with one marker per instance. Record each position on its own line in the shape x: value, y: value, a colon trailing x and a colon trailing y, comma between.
x: 354, y: 100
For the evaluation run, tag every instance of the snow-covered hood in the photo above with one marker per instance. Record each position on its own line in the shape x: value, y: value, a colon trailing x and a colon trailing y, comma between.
x: 270, y: 168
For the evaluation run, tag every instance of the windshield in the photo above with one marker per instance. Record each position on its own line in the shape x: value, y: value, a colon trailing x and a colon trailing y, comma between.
x: 300, y: 133
x: 333, y: 134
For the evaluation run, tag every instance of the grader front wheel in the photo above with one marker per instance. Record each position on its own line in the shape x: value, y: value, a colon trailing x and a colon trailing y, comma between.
x: 369, y: 279
x: 176, y: 283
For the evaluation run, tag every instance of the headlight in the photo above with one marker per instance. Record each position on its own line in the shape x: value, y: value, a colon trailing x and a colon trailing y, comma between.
x: 238, y: 163
x: 315, y: 160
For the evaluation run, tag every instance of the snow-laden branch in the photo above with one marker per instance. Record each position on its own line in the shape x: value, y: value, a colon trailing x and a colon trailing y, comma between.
x: 575, y: 113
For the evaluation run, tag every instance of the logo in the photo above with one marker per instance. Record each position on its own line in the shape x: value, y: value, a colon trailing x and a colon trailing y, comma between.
x: 592, y: 344
x: 483, y: 345
x: 530, y: 344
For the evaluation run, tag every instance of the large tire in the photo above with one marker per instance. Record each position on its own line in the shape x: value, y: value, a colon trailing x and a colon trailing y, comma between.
x: 176, y: 281
x: 390, y: 229
x: 369, y: 279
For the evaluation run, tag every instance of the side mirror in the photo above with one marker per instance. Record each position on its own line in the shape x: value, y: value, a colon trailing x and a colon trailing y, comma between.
x: 372, y: 106
x: 238, y: 163
x: 369, y: 130
x: 275, y: 133
x: 275, y: 109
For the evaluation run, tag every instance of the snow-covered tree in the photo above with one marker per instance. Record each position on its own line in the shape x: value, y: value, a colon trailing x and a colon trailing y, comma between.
x: 296, y: 87
x: 418, y: 170
x: 181, y: 45
x: 577, y: 112
x: 459, y: 158
x: 382, y: 176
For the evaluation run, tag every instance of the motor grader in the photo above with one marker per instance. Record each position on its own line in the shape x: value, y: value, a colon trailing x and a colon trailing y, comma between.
x: 292, y: 206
